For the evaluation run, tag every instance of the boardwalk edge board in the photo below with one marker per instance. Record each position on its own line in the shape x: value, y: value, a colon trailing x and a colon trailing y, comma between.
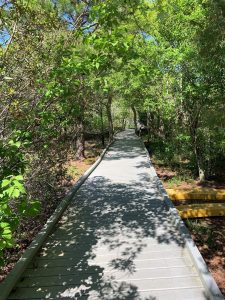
x: 14, y: 276
x: 196, y: 194
x: 211, y: 287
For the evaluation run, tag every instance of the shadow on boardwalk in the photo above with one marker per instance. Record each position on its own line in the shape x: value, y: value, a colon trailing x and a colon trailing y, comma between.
x: 125, y: 219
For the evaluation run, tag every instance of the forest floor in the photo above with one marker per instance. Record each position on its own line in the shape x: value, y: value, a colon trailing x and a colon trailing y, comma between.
x: 208, y: 233
x: 29, y: 229
x: 174, y: 178
x: 209, y: 236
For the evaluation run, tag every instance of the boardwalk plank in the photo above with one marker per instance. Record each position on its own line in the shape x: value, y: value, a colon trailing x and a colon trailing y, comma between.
x: 139, y: 272
x: 151, y: 282
x: 117, y: 263
x: 57, y: 288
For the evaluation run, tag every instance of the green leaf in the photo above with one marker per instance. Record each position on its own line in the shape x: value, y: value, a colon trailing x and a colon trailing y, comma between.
x: 5, y: 182
x: 19, y: 177
x: 4, y: 225
x: 19, y: 186
x: 15, y: 193
x: 17, y: 144
x: 97, y: 65
x: 7, y: 236
x: 34, y: 208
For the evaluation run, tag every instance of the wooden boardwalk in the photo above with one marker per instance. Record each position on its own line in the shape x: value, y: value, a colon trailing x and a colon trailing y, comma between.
x: 116, y: 240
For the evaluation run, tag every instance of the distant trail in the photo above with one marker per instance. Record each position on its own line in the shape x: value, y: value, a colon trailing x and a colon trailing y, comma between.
x: 116, y: 240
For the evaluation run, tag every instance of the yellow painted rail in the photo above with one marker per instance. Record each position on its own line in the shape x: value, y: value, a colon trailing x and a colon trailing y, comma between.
x: 197, y: 194
x: 201, y: 210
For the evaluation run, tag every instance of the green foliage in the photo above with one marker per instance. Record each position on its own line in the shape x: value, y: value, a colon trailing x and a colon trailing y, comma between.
x: 14, y: 202
x: 13, y: 206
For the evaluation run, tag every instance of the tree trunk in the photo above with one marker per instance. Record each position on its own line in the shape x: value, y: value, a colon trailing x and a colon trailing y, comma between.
x: 102, y: 128
x: 135, y: 118
x: 197, y: 151
x: 200, y: 165
x: 148, y: 126
x: 201, y: 174
x: 80, y: 141
x: 109, y: 115
x: 124, y: 124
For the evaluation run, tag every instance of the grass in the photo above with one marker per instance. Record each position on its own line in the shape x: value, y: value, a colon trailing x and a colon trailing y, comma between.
x: 90, y: 160
x: 73, y: 171
x: 178, y: 180
x: 205, y: 231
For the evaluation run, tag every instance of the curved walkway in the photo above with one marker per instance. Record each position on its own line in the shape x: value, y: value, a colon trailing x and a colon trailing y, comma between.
x: 116, y: 240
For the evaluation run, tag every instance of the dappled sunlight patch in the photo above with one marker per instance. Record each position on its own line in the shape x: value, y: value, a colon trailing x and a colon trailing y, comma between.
x: 72, y: 292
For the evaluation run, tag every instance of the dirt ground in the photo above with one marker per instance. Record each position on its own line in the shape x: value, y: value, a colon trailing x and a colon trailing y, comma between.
x: 169, y: 180
x: 208, y: 233
x: 209, y: 236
